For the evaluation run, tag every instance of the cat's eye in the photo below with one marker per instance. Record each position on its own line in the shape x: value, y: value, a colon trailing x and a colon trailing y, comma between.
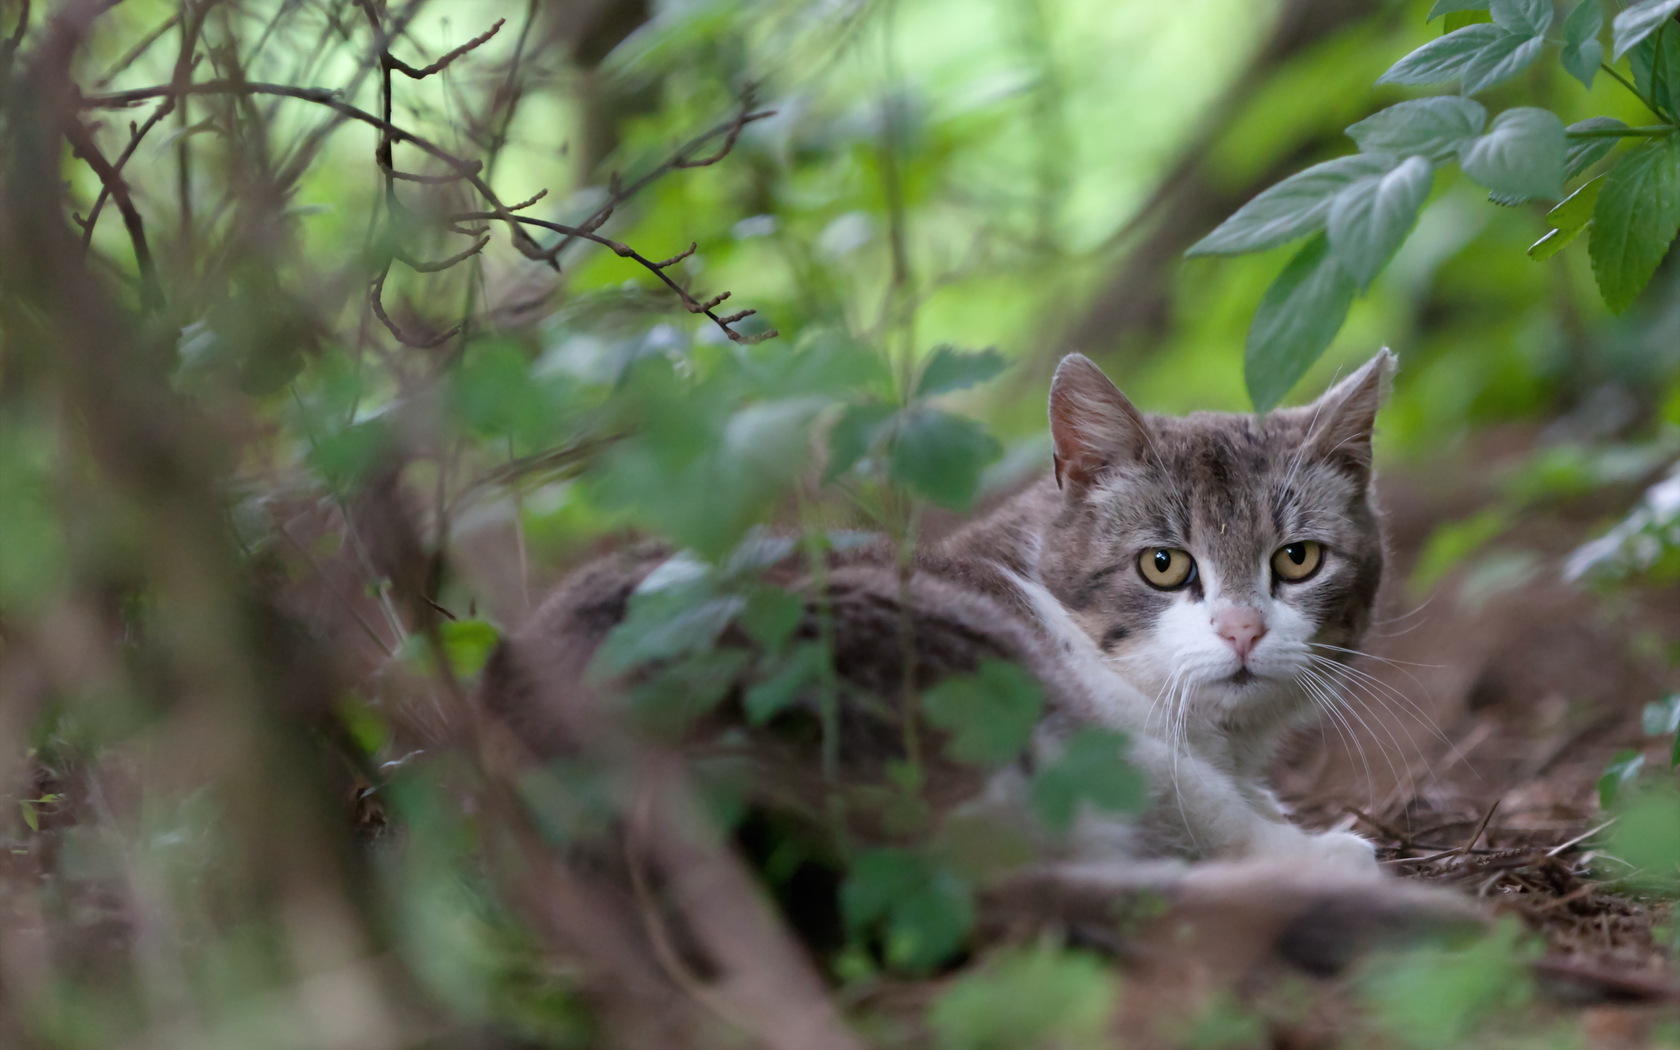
x: 1295, y: 562
x: 1166, y: 567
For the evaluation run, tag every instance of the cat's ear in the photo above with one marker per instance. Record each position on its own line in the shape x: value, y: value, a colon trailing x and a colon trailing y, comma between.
x: 1340, y: 422
x: 1092, y: 425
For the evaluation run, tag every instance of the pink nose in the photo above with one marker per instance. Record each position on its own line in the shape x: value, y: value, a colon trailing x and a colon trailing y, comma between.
x: 1242, y: 627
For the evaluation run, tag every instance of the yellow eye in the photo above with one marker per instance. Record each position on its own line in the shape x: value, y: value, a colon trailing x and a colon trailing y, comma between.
x: 1166, y: 567
x: 1296, y: 561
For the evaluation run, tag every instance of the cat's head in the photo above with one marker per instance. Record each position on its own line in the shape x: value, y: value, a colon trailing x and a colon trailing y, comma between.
x: 1219, y: 561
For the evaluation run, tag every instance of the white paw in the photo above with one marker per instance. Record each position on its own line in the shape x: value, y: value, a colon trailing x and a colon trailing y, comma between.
x: 1343, y: 850
x: 1335, y: 850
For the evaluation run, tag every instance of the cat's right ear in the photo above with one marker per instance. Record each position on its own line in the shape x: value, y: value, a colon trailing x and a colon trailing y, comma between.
x: 1092, y: 425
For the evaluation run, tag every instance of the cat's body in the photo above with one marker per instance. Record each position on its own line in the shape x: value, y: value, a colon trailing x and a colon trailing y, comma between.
x: 1082, y: 579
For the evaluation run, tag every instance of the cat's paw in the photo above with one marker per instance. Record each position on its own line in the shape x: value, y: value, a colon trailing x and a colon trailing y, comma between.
x: 1336, y: 850
x: 1343, y: 850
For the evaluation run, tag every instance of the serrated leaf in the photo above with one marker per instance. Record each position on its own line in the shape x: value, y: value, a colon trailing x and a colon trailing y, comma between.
x: 1655, y: 63
x: 1293, y: 208
x: 1576, y: 210
x: 951, y: 369
x: 1504, y: 58
x: 797, y: 669
x: 1369, y: 219
x: 1582, y: 52
x: 1555, y: 241
x: 1531, y: 17
x: 1637, y: 22
x: 1296, y: 319
x: 940, y: 456
x: 1583, y: 153
x: 853, y: 436
x: 1522, y: 154
x: 990, y: 714
x: 1092, y: 769
x: 1635, y: 220
x: 923, y: 911
x: 1444, y: 57
x: 1447, y: 7
x: 1427, y: 127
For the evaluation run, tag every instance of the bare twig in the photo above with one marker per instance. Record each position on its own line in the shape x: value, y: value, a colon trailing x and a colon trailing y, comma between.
x: 81, y: 142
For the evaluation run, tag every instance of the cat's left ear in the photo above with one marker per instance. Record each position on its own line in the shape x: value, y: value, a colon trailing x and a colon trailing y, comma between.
x: 1341, y: 421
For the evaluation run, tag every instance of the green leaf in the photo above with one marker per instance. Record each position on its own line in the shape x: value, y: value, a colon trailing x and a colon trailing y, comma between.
x: 677, y: 610
x: 1621, y: 771
x: 802, y: 665
x: 1428, y: 127
x: 467, y: 644
x: 1637, y: 22
x: 990, y: 715
x: 771, y: 615
x: 1582, y: 53
x: 1092, y: 769
x: 1369, y: 219
x: 1585, y: 152
x: 1570, y: 217
x: 1637, y: 215
x: 940, y: 456
x: 1293, y: 208
x: 1656, y: 68
x: 1296, y: 319
x: 1521, y: 156
x: 1662, y: 717
x: 950, y: 369
x: 922, y: 911
x: 1447, y: 7
x: 853, y: 436
x: 1033, y: 996
x: 1507, y: 56
x: 1531, y: 17
x: 1482, y: 55
x: 1576, y: 210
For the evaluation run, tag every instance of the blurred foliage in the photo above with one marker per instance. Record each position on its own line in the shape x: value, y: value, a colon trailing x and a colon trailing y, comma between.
x: 947, y: 196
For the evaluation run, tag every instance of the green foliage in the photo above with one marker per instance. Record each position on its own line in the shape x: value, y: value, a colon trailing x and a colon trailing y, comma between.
x: 1370, y: 202
x: 917, y: 909
x: 1635, y: 220
x: 1662, y: 718
x: 1295, y: 321
x: 990, y: 715
x: 1038, y: 997
x: 1621, y: 770
x: 1091, y: 770
x: 1438, y: 997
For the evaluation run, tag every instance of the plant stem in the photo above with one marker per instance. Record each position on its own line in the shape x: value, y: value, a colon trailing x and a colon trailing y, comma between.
x: 1648, y: 131
x: 1625, y: 82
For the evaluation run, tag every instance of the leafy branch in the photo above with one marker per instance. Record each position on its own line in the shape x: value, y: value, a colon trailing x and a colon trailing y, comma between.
x: 1358, y: 210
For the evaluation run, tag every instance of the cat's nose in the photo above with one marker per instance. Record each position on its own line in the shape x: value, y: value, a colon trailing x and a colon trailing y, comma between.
x: 1242, y: 628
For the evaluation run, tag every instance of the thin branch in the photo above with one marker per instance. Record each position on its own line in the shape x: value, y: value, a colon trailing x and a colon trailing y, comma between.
x: 82, y: 144
x: 122, y: 159
x: 622, y: 250
x: 443, y: 63
x: 331, y: 100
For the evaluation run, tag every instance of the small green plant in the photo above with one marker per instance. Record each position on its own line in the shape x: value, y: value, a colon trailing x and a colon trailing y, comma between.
x: 1358, y: 210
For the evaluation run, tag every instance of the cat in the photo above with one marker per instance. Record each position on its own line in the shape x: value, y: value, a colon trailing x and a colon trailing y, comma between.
x: 1204, y: 579
x: 1191, y: 582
